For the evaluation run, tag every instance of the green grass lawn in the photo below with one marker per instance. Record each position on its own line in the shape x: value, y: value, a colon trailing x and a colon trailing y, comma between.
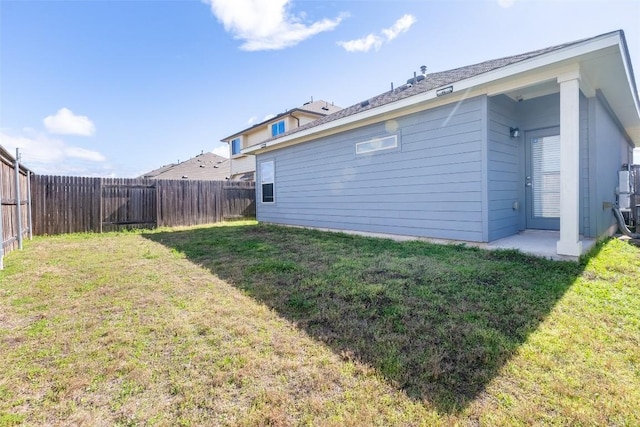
x: 245, y: 324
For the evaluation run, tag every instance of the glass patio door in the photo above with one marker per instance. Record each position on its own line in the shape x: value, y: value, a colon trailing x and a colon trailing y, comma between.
x: 542, y: 182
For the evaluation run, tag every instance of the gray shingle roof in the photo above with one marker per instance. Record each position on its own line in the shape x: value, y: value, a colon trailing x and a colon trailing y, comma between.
x: 205, y: 167
x: 156, y: 172
x: 431, y: 82
x: 319, y: 107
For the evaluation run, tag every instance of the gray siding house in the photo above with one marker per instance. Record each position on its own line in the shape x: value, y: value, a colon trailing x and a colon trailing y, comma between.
x: 531, y: 141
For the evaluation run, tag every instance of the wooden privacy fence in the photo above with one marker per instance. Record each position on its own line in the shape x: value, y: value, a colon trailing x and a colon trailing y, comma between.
x: 15, y: 217
x: 63, y: 204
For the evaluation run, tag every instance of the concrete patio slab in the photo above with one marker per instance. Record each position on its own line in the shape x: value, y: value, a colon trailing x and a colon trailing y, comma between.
x: 539, y: 243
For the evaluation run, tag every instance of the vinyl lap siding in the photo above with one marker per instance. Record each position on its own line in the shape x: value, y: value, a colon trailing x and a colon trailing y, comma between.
x: 430, y: 186
x: 243, y: 164
x: 609, y: 148
x: 504, y: 169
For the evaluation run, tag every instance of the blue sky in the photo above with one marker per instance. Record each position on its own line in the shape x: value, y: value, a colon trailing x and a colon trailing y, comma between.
x: 117, y: 88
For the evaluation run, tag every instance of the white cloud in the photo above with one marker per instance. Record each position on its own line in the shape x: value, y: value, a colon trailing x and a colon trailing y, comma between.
x: 268, y: 117
x: 46, y: 155
x: 372, y: 41
x: 402, y: 25
x: 251, y: 120
x: 222, y: 150
x: 64, y: 122
x: 506, y: 3
x: 365, y: 44
x: 267, y: 24
x: 83, y: 153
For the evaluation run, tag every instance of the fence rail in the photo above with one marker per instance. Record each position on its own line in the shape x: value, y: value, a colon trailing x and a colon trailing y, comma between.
x: 63, y: 204
x: 15, y: 216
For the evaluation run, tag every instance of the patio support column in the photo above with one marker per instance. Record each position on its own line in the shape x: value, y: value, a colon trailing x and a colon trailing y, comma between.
x: 569, y: 243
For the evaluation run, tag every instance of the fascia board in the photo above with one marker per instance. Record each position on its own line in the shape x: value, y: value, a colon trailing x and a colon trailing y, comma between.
x: 626, y: 60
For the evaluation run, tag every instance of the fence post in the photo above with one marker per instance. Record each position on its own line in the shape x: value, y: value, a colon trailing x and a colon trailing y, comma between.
x: 18, y: 213
x: 158, y: 188
x: 29, y: 205
x: 101, y: 210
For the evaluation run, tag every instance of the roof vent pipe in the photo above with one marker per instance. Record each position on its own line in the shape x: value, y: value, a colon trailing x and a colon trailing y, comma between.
x: 423, y: 69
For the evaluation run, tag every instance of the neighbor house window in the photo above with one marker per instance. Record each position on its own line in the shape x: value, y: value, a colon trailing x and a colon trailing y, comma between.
x: 235, y: 146
x: 277, y: 128
x: 267, y: 179
x: 377, y: 144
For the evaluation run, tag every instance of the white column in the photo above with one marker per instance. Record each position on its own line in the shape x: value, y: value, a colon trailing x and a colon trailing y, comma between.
x: 569, y: 243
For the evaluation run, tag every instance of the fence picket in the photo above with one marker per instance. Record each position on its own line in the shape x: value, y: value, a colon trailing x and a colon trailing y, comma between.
x: 12, y: 228
x: 80, y: 204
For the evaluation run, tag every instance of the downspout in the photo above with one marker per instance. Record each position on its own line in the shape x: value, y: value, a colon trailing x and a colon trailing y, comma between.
x: 296, y: 119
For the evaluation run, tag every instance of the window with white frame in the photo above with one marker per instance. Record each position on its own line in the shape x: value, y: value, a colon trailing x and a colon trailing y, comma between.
x: 377, y: 144
x: 235, y: 146
x: 267, y: 180
x: 277, y: 128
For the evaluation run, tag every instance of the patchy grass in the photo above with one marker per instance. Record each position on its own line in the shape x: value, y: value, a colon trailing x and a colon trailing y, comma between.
x: 259, y: 325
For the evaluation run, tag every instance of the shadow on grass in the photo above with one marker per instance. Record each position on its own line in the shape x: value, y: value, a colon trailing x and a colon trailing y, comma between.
x: 437, y: 321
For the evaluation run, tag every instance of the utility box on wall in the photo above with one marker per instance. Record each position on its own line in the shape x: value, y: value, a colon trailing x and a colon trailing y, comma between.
x: 628, y: 194
x: 625, y: 189
x: 635, y: 197
x: 628, y: 197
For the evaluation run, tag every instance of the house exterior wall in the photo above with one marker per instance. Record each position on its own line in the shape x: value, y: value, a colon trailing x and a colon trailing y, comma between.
x: 304, y: 118
x: 243, y: 164
x: 289, y: 123
x: 455, y: 174
x: 257, y: 136
x: 610, y: 150
x: 431, y: 185
x: 504, y: 178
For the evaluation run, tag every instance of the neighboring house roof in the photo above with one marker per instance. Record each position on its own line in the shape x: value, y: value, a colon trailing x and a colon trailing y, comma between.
x: 205, y: 167
x: 160, y: 170
x: 440, y: 80
x: 245, y: 176
x: 320, y: 108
